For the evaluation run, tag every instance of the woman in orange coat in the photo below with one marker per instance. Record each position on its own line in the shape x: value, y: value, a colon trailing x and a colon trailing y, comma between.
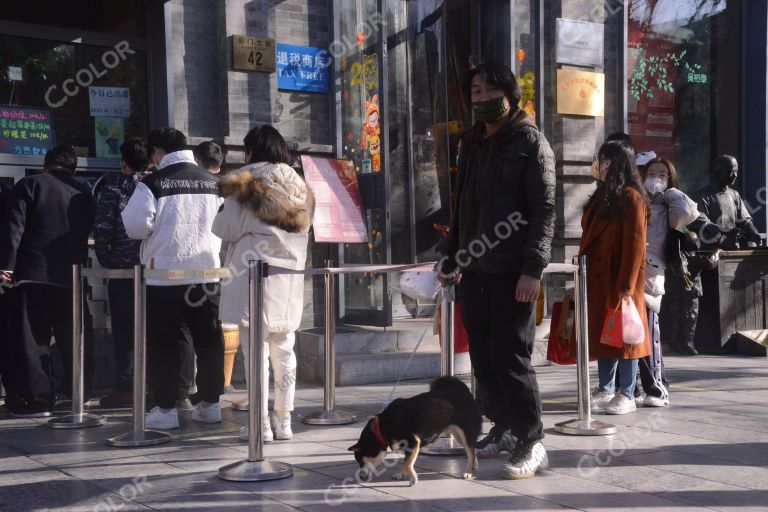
x: 613, y: 241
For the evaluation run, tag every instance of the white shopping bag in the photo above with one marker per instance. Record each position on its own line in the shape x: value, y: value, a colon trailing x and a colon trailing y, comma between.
x: 420, y: 285
x: 632, y: 328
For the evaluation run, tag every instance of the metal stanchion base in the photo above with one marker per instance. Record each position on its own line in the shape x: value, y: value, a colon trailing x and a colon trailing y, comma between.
x: 329, y: 418
x: 77, y: 421
x: 585, y: 428
x: 445, y: 446
x: 134, y: 439
x: 255, y: 471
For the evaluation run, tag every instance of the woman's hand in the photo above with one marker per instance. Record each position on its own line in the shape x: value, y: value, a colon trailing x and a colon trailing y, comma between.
x: 528, y: 289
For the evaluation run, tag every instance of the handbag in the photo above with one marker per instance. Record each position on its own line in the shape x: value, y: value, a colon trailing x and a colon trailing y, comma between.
x: 611, y: 334
x: 561, y: 345
x: 623, y: 325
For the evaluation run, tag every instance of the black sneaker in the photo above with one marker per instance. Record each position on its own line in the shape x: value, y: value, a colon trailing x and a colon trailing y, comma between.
x: 525, y: 460
x: 31, y: 411
x: 494, y: 436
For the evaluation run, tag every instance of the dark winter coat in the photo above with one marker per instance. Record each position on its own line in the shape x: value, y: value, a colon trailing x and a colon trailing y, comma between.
x: 114, y: 249
x: 505, y: 201
x: 45, y: 230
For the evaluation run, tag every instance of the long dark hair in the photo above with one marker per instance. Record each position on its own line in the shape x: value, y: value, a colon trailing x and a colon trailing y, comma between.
x: 622, y: 174
x: 267, y: 145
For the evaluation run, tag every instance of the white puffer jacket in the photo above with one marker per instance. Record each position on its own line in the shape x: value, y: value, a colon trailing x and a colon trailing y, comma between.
x: 267, y: 213
x: 172, y: 210
x: 670, y: 210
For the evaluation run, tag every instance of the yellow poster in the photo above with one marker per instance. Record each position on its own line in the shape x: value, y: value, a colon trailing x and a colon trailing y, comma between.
x: 580, y: 93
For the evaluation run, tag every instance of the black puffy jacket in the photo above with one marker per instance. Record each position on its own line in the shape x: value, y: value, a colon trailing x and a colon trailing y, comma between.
x: 504, y: 219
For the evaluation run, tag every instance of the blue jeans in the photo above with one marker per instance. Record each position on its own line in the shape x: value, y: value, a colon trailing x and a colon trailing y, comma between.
x: 606, y: 370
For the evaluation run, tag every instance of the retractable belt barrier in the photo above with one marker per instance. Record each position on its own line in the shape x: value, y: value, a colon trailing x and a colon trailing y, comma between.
x: 255, y: 467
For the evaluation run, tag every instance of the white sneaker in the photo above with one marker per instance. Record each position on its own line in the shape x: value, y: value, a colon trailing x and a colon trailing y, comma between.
x: 525, y: 461
x: 654, y: 401
x: 621, y: 405
x: 283, y: 427
x: 207, y: 413
x: 162, y: 419
x: 600, y: 400
x: 266, y: 432
x: 507, y: 443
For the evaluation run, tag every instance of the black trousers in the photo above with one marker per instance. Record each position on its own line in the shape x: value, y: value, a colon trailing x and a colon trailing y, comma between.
x: 501, y: 335
x: 39, y: 311
x: 197, y: 306
x: 679, y: 312
x: 120, y: 292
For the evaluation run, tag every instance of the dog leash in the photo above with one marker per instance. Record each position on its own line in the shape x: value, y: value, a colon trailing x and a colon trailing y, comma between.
x: 402, y: 374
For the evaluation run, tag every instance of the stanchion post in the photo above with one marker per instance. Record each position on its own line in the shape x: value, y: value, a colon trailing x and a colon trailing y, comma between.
x: 330, y: 342
x: 329, y: 416
x: 77, y: 419
x: 255, y: 468
x: 584, y: 425
x: 445, y: 444
x: 139, y: 436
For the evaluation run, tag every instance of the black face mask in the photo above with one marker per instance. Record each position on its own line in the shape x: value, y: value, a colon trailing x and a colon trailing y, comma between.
x: 489, y: 111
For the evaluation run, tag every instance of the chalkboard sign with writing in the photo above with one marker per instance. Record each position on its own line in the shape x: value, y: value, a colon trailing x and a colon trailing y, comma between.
x: 25, y: 131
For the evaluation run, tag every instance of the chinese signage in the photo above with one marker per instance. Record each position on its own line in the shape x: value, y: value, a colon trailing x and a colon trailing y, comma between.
x: 25, y: 131
x: 253, y: 54
x: 580, y: 93
x: 302, y: 68
x: 110, y: 101
x: 110, y: 134
x: 338, y: 208
x: 579, y: 43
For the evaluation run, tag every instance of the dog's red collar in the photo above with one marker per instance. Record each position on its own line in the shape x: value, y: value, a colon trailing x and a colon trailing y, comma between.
x: 377, y: 432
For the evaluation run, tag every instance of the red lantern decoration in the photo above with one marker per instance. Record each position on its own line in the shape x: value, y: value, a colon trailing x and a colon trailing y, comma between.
x: 360, y: 38
x: 521, y: 55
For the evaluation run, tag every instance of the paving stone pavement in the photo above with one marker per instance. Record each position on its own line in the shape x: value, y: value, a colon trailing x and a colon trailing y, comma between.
x: 707, y: 451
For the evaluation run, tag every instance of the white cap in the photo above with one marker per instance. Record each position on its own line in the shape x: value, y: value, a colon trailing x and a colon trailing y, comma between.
x: 644, y: 158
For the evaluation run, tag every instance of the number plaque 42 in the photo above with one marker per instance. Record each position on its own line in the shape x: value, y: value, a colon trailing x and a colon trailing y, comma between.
x: 253, y: 54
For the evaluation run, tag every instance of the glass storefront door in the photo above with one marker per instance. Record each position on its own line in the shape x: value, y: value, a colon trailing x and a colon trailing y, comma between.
x: 402, y: 113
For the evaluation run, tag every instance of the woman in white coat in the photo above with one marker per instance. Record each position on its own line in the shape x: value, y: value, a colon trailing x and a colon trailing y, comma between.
x: 266, y: 215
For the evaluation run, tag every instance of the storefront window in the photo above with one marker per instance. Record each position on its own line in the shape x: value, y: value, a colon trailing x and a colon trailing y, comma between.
x: 683, y: 90
x: 72, y: 82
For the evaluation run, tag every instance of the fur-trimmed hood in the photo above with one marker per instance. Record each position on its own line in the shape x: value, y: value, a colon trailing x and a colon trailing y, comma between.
x: 274, y: 193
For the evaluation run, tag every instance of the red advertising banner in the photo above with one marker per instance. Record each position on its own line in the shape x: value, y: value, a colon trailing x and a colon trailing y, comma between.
x: 338, y: 208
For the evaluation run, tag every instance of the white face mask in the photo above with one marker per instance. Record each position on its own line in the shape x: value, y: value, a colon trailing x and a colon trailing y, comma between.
x: 655, y: 185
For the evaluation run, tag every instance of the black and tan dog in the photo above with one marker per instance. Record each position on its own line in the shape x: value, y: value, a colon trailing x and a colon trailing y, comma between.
x: 409, y: 423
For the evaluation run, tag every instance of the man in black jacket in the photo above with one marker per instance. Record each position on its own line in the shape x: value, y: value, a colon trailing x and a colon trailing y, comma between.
x: 500, y: 243
x: 45, y: 231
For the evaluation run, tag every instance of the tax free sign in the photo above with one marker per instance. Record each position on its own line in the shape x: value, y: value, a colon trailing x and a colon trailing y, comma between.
x: 302, y: 68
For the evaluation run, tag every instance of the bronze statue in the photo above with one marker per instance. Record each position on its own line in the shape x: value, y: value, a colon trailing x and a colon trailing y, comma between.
x: 724, y: 206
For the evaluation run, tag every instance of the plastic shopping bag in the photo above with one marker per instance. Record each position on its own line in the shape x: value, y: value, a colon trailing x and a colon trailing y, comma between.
x: 420, y: 285
x: 632, y: 330
x: 612, y: 329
